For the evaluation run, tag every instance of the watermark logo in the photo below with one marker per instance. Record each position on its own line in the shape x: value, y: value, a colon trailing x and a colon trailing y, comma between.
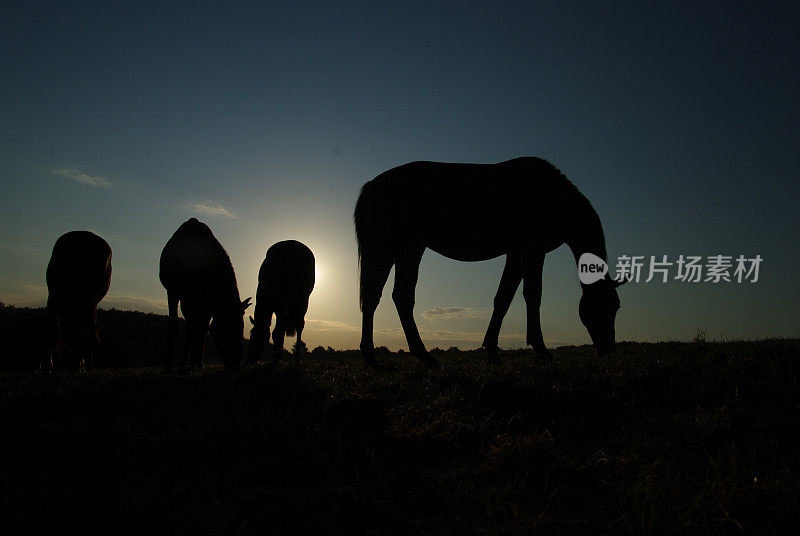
x: 684, y: 268
x: 591, y: 268
x: 689, y: 268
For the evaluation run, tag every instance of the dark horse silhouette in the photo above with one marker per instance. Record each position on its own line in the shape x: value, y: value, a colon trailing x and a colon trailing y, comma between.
x: 78, y: 277
x: 285, y: 282
x: 197, y: 272
x: 522, y: 208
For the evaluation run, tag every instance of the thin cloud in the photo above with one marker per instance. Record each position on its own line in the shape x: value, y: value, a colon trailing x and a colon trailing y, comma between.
x: 447, y: 313
x: 209, y: 208
x: 84, y: 178
x: 332, y: 325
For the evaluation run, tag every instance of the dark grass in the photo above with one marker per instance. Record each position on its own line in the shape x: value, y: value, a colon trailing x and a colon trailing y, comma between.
x: 661, y: 438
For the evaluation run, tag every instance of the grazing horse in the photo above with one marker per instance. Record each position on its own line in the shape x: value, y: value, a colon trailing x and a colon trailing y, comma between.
x: 285, y: 282
x: 78, y: 277
x: 522, y: 208
x: 197, y: 272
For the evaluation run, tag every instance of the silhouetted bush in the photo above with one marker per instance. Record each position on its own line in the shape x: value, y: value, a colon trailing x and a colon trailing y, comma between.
x: 22, y: 331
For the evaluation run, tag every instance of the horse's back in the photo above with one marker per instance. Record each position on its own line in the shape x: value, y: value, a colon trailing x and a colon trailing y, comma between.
x: 193, y: 260
x: 79, y: 268
x: 463, y: 211
x: 287, y: 271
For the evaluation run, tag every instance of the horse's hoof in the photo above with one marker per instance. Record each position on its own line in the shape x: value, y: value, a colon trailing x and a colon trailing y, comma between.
x: 431, y: 363
x: 491, y: 355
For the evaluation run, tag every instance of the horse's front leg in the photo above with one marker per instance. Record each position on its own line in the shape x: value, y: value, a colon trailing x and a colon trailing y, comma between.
x: 532, y: 264
x: 509, y: 283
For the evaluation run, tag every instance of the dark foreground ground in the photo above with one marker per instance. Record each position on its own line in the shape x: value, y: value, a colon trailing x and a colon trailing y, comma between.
x: 662, y: 438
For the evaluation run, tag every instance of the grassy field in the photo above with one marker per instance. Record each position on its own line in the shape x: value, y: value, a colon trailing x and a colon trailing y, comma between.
x: 662, y: 438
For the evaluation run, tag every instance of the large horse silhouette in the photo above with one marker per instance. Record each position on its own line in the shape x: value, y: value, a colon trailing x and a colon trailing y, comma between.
x: 78, y: 277
x: 522, y: 208
x: 285, y: 282
x: 197, y: 272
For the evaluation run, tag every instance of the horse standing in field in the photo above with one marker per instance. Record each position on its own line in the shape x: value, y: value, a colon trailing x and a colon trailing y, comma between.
x: 523, y: 209
x: 285, y: 282
x: 78, y: 277
x: 197, y: 272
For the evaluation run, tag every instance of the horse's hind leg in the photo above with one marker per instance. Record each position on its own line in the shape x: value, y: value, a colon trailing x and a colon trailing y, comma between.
x: 374, y: 273
x: 172, y: 332
x: 532, y: 265
x: 48, y: 360
x: 277, y: 338
x: 509, y: 283
x: 405, y: 282
x: 299, y: 348
x: 199, y: 349
x: 196, y: 330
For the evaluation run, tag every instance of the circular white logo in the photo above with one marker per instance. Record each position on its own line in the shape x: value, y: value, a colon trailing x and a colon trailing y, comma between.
x: 591, y: 268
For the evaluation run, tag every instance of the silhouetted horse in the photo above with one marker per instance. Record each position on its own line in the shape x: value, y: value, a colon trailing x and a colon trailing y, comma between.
x: 522, y: 208
x: 78, y: 277
x: 285, y: 281
x: 197, y: 272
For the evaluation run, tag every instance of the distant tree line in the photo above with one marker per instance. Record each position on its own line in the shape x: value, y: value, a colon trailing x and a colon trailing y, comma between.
x: 127, y: 338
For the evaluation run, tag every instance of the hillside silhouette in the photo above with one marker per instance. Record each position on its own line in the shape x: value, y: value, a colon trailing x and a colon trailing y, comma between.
x: 127, y: 339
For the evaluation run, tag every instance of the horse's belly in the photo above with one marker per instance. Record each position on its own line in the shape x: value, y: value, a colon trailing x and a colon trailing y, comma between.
x: 472, y: 242
x: 466, y: 255
x: 468, y: 245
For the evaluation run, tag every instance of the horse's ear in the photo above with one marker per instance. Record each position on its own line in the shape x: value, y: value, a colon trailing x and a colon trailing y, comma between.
x: 252, y: 320
x: 246, y: 303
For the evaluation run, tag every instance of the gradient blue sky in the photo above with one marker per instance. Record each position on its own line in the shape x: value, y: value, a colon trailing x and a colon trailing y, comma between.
x: 678, y: 120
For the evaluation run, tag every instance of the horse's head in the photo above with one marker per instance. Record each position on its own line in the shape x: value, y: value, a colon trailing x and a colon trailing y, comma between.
x: 598, y: 310
x: 226, y: 330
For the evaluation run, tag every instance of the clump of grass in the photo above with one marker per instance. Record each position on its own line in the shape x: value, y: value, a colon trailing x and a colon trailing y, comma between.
x: 700, y: 335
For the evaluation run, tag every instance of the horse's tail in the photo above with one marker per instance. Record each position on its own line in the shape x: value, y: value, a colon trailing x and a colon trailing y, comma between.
x: 295, y: 313
x: 364, y: 218
x: 291, y: 326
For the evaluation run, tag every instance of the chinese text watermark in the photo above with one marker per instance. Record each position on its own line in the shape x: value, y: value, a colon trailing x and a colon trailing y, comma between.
x: 684, y: 268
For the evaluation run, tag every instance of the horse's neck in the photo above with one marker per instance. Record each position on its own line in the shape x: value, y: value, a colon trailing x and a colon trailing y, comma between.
x: 585, y: 233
